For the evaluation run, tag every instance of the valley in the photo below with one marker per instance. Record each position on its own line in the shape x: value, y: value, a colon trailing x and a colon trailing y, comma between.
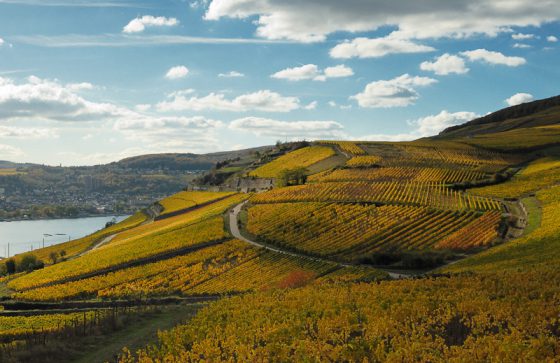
x: 438, y: 249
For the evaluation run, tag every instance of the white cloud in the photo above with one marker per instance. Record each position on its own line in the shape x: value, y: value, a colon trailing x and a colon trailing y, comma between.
x: 307, y: 71
x: 177, y: 72
x: 521, y: 36
x: 521, y: 46
x: 433, y: 124
x: 293, y: 129
x: 263, y: 100
x: 445, y: 64
x: 231, y: 74
x: 312, y: 71
x: 388, y: 137
x: 76, y: 87
x: 26, y: 133
x: 138, y: 25
x: 375, y: 48
x: 7, y: 152
x: 143, y: 107
x: 338, y: 71
x: 49, y: 100
x: 311, y: 106
x: 396, y: 92
x: 552, y: 39
x: 313, y: 20
x: 493, y: 57
x: 2, y: 42
x: 519, y: 98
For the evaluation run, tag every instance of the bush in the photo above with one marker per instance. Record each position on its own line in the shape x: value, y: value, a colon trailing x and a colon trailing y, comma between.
x: 10, y: 266
x: 29, y: 263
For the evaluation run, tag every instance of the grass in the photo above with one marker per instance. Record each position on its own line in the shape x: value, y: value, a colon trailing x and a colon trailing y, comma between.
x: 10, y: 171
x: 534, y: 214
x: 135, y: 336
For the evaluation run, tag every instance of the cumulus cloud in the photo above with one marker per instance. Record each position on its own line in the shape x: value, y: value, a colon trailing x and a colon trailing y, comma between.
x: 49, y: 100
x: 519, y: 98
x: 521, y: 46
x: 8, y: 151
x: 396, y: 92
x: 433, y: 124
x: 26, y: 132
x: 338, y: 71
x: 76, y: 87
x: 263, y: 100
x: 231, y: 74
x: 143, y: 107
x: 312, y: 72
x: 445, y: 64
x: 177, y: 72
x: 313, y: 20
x: 377, y: 47
x: 311, y: 106
x: 492, y: 57
x: 521, y: 36
x: 552, y: 39
x: 292, y: 129
x: 140, y: 24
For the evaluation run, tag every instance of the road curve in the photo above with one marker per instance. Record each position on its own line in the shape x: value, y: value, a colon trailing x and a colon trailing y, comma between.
x: 234, y: 229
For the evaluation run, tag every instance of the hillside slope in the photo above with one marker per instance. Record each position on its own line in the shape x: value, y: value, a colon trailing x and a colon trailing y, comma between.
x: 531, y: 114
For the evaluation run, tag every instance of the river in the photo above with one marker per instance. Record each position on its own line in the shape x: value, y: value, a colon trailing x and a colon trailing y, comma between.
x: 23, y: 236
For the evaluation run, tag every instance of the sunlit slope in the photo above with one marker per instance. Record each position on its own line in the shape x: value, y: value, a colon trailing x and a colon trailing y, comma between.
x: 531, y: 114
x: 303, y: 158
x: 184, y: 200
x: 184, y: 233
x: 540, y: 249
x: 72, y: 248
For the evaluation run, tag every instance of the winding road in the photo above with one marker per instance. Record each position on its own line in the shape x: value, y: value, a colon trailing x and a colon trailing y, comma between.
x: 234, y: 229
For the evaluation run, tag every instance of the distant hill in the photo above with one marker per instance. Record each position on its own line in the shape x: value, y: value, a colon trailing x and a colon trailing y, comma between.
x: 531, y: 114
x: 183, y: 162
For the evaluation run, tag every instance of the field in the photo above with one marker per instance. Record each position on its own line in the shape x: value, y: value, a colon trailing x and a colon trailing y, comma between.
x: 465, y: 318
x: 303, y: 157
x: 541, y: 173
x: 183, y: 200
x: 419, y: 175
x: 315, y: 283
x: 417, y: 194
x: 75, y: 247
x: 350, y: 231
x: 347, y: 147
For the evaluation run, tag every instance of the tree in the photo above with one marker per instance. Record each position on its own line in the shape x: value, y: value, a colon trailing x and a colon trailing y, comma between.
x: 54, y: 257
x: 296, y: 176
x: 29, y: 263
x: 10, y: 266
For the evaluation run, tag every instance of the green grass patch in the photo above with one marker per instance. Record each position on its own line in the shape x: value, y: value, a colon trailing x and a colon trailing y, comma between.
x: 534, y: 214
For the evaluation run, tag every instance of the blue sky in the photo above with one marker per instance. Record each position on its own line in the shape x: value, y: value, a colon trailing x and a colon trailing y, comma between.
x: 86, y: 82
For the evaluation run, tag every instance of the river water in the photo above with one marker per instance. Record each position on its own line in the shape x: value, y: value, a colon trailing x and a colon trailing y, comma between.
x: 23, y: 236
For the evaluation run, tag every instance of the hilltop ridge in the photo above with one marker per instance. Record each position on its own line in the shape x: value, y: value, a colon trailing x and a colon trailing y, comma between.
x: 531, y: 114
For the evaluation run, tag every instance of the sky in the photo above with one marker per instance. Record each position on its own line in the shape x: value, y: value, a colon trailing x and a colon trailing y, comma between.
x: 90, y: 82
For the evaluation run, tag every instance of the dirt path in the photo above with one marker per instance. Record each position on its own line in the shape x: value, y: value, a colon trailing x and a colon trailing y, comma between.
x: 234, y: 229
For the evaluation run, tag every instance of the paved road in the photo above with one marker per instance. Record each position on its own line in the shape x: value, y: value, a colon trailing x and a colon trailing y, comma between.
x: 234, y: 229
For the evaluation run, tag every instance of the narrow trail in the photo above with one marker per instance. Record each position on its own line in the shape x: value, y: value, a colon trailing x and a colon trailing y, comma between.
x: 234, y: 229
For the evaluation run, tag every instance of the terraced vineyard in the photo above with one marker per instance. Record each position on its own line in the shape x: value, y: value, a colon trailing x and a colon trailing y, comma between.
x: 417, y: 194
x: 304, y: 277
x: 419, y: 175
x: 349, y: 231
x: 303, y: 157
x: 346, y: 147
x: 183, y: 200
